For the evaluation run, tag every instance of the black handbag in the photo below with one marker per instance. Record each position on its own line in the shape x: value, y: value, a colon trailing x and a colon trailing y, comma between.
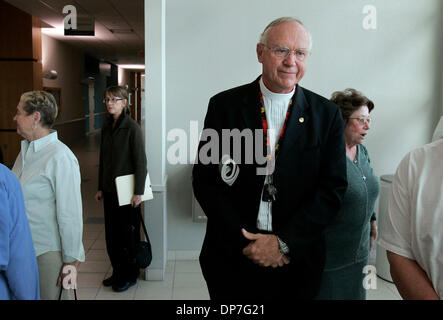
x: 61, y: 290
x: 143, y: 251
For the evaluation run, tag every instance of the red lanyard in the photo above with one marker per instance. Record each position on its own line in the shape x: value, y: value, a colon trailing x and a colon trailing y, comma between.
x: 265, y: 124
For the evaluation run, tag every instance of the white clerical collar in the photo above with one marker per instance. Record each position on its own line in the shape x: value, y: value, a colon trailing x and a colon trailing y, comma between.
x: 272, y: 95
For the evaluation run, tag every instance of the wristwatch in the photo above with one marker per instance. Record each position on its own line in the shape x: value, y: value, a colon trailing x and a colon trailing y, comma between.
x: 282, y: 246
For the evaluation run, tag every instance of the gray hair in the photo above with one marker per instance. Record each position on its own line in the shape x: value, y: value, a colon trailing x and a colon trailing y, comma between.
x: 276, y: 22
x: 42, y: 102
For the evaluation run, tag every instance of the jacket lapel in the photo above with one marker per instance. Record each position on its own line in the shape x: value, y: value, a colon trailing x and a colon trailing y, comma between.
x: 250, y: 107
x: 251, y: 115
x: 297, y: 123
x: 122, y: 123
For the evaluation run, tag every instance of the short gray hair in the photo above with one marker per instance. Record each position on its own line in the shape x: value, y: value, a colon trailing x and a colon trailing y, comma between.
x: 276, y: 22
x: 43, y: 102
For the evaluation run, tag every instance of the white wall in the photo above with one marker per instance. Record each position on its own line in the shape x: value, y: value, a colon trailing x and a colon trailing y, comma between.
x: 210, y: 46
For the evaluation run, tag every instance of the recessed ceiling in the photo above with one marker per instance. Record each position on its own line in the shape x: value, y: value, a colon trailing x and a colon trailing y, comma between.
x: 113, y: 40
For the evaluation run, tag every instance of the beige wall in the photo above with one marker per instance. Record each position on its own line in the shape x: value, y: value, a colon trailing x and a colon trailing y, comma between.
x: 124, y: 77
x: 69, y: 64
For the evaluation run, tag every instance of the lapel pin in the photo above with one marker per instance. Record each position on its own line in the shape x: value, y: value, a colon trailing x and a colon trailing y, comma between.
x: 301, y: 120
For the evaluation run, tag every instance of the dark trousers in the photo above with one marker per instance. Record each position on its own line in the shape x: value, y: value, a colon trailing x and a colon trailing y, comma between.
x: 122, y: 230
x: 235, y: 277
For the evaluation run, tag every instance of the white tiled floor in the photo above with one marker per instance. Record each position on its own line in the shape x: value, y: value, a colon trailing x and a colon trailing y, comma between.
x: 183, y: 279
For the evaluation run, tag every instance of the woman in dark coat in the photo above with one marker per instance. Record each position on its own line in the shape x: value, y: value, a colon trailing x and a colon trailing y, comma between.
x: 122, y: 152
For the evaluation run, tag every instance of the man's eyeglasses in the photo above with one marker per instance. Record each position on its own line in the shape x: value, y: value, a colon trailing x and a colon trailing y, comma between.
x: 283, y: 52
x: 111, y: 100
x: 362, y: 121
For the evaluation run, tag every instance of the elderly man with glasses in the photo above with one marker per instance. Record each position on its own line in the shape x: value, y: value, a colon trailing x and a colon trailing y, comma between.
x: 264, y: 235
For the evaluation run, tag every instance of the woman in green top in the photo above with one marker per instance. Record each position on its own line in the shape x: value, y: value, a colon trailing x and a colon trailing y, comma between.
x: 351, y: 236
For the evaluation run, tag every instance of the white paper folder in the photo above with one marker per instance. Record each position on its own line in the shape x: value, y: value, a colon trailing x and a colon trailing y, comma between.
x: 125, y: 189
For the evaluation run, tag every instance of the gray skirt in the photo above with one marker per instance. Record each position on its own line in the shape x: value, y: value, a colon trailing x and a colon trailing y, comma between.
x: 343, y: 284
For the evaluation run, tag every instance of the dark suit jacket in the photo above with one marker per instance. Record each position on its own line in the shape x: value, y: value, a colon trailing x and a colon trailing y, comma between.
x: 310, y: 176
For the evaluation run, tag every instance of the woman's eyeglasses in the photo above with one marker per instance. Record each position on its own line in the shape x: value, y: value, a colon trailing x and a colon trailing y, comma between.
x: 111, y: 100
x: 362, y: 121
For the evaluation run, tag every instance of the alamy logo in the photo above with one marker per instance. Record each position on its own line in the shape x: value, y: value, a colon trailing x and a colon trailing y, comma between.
x: 70, y: 280
x: 70, y: 20
x: 243, y: 147
x: 370, y: 280
x: 370, y: 20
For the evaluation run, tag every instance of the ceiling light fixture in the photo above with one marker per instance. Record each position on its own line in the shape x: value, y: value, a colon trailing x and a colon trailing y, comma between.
x: 131, y: 66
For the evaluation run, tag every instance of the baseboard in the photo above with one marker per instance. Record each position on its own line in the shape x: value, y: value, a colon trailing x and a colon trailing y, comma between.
x: 155, y: 274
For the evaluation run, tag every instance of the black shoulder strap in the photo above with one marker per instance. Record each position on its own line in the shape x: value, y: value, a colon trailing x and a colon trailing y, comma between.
x: 143, y: 225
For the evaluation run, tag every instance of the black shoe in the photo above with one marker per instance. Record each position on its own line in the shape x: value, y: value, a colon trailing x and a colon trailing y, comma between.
x: 109, y: 282
x: 123, y: 286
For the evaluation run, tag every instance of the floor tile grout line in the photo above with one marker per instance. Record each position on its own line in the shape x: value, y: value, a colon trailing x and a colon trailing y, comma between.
x: 96, y: 293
